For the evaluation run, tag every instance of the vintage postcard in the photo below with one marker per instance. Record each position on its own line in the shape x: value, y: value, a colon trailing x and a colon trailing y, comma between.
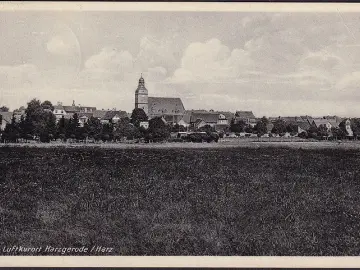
x: 211, y: 134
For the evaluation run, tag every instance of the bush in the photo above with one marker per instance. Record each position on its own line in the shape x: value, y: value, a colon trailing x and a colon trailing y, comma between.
x: 175, y: 140
x: 303, y: 135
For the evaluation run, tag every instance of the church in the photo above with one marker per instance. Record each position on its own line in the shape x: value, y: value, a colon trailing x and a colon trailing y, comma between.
x: 172, y: 109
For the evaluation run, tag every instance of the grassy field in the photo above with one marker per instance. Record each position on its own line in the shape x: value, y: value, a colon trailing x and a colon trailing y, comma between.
x: 183, y: 201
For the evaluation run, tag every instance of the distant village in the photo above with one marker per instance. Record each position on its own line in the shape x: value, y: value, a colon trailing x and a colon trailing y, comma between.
x: 172, y: 112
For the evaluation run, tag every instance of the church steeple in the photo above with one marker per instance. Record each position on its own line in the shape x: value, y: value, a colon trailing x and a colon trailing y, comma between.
x: 141, y: 95
x: 141, y: 82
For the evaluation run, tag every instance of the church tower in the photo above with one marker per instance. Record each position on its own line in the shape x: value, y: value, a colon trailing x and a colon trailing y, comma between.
x: 141, y: 96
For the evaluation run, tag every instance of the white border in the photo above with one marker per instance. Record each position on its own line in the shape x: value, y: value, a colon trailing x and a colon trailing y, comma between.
x: 178, y: 261
x: 172, y: 6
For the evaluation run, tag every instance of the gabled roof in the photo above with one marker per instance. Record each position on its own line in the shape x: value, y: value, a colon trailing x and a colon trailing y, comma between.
x: 322, y: 121
x: 303, y: 125
x: 59, y: 107
x: 206, y: 117
x: 199, y: 121
x: 71, y: 108
x: 85, y: 107
x: 111, y: 114
x: 245, y: 114
x: 186, y: 117
x: 293, y: 119
x: 165, y: 105
x: 99, y: 113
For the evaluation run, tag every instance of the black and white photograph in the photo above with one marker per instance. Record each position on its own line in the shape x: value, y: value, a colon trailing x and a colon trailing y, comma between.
x: 180, y: 131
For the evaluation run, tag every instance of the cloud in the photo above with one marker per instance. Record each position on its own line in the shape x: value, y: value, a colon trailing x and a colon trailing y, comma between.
x: 110, y: 59
x: 211, y: 61
x: 154, y: 52
x: 18, y: 75
x: 349, y: 82
x: 61, y: 45
x: 156, y: 74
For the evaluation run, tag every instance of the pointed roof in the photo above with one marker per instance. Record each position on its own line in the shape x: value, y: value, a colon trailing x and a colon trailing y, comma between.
x: 111, y: 114
x: 207, y: 117
x: 165, y: 105
x: 99, y: 113
x: 141, y: 86
x: 245, y: 114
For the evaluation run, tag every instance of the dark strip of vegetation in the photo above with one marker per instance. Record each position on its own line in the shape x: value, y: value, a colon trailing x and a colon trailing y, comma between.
x: 240, y: 201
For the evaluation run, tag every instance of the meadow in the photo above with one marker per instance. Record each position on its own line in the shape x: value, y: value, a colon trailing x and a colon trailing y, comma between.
x: 244, y: 201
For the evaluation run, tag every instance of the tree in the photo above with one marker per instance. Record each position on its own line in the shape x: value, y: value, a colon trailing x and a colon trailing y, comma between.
x: 61, y: 128
x: 125, y: 129
x: 292, y: 128
x: 207, y: 128
x: 279, y: 127
x: 11, y: 131
x: 158, y: 129
x: 260, y: 128
x: 47, y: 105
x: 264, y: 120
x: 93, y: 128
x: 237, y: 127
x: 178, y: 128
x: 72, y: 130
x: 35, y: 117
x: 355, y: 126
x: 249, y: 129
x: 312, y: 131
x: 107, y: 132
x: 4, y: 109
x: 138, y: 115
x: 323, y: 131
x: 338, y: 133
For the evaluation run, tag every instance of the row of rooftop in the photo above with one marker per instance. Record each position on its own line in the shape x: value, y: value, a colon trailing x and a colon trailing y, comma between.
x: 197, y: 118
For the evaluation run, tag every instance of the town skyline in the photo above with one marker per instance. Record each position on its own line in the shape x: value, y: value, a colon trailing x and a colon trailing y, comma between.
x: 273, y: 64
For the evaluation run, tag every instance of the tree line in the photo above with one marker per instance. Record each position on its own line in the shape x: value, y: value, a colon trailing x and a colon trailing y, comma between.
x: 281, y: 127
x: 39, y: 123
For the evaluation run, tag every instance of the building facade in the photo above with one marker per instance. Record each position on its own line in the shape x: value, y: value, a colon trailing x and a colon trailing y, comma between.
x: 169, y: 108
x: 141, y: 96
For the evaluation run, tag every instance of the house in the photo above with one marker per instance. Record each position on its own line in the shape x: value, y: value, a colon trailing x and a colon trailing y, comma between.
x: 18, y: 113
x: 59, y: 111
x: 5, y: 119
x: 83, y: 109
x: 300, y: 122
x: 303, y: 126
x: 247, y: 116
x: 185, y: 120
x: 172, y: 109
x: 199, y: 123
x: 348, y: 128
x: 208, y: 118
x: 99, y: 114
x: 113, y: 116
x: 84, y: 117
x: 317, y: 122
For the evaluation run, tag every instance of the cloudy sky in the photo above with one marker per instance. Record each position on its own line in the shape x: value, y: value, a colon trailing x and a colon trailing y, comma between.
x: 271, y: 63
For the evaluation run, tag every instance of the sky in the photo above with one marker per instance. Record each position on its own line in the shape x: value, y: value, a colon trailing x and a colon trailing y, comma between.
x: 271, y: 63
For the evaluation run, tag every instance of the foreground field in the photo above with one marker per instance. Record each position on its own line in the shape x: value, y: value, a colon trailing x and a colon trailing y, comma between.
x: 183, y: 201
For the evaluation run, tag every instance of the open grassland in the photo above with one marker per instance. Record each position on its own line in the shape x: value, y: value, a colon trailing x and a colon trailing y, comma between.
x: 183, y: 201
